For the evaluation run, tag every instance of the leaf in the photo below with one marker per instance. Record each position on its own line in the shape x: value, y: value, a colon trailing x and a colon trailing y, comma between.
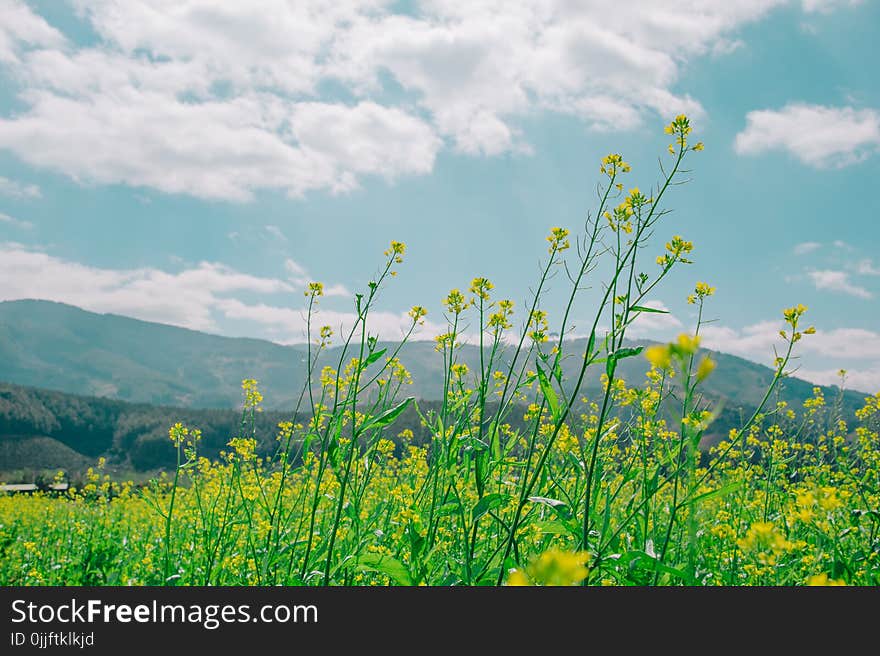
x: 448, y: 508
x: 590, y: 344
x: 643, y: 308
x: 720, y: 492
x: 558, y: 527
x: 548, y: 391
x: 553, y: 503
x: 374, y: 356
x: 560, y: 508
x: 487, y: 503
x: 386, y: 418
x: 495, y: 441
x: 645, y: 561
x: 620, y: 354
x: 553, y: 527
x: 386, y: 565
x: 627, y: 352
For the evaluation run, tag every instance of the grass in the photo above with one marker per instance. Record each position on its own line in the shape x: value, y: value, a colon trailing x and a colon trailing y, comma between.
x: 598, y: 490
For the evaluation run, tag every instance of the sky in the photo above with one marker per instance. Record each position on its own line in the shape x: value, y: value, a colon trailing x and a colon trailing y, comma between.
x: 198, y: 162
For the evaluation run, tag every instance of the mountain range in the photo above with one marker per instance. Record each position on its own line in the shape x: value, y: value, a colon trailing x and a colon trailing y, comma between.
x: 108, y: 384
x: 60, y: 347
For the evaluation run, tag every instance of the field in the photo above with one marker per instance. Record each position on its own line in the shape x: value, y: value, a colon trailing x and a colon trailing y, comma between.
x: 603, y: 490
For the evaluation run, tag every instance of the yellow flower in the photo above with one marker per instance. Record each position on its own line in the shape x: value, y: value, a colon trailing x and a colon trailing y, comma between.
x: 553, y: 567
x: 688, y: 344
x: 500, y: 320
x: 613, y: 164
x: 252, y: 396
x: 557, y: 239
x: 454, y: 302
x: 792, y: 314
x: 659, y: 356
x: 704, y: 289
x: 539, y: 326
x: 178, y: 433
x: 396, y: 251
x: 678, y: 245
x: 518, y: 579
x: 245, y: 447
x: 706, y: 367
x: 823, y: 580
x: 480, y: 287
x: 418, y: 314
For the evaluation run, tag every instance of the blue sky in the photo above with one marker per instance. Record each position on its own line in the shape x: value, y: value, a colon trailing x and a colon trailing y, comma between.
x: 197, y: 162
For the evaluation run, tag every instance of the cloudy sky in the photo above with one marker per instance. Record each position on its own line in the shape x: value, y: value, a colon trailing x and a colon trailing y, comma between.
x: 197, y: 162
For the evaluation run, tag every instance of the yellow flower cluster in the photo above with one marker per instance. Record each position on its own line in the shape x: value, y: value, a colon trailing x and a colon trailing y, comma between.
x: 558, y: 239
x: 613, y: 164
x: 701, y: 291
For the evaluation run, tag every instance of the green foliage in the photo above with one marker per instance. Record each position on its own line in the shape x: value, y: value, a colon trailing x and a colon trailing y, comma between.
x: 514, y: 476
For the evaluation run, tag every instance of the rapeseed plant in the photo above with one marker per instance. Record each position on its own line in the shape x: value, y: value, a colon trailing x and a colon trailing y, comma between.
x: 518, y: 476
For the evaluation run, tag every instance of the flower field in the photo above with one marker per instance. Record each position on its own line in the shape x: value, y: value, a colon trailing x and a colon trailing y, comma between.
x: 616, y: 489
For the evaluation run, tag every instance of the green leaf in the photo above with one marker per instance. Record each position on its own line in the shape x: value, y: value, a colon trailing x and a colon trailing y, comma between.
x: 547, y: 501
x: 558, y: 527
x: 627, y: 352
x: 448, y: 508
x: 558, y: 507
x: 590, y: 344
x: 487, y: 503
x: 495, y: 441
x: 386, y: 565
x: 645, y: 561
x: 620, y: 354
x: 720, y: 492
x: 374, y: 356
x: 548, y: 391
x: 642, y: 308
x: 386, y: 418
x: 553, y: 527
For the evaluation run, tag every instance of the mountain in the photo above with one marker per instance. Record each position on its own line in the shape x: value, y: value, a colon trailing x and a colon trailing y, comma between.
x: 112, y: 386
x: 60, y: 347
x: 46, y: 430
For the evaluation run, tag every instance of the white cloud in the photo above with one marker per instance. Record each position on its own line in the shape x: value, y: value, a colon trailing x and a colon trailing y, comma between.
x: 855, y: 349
x: 298, y: 275
x: 213, y: 149
x: 845, y: 343
x: 826, y: 6
x: 866, y: 268
x: 288, y: 325
x: 807, y: 247
x: 837, y: 281
x: 20, y: 28
x: 275, y: 232
x: 818, y: 136
x: 187, y: 298
x: 863, y: 380
x: 365, y: 139
x: 14, y: 189
x: 201, y: 297
x: 755, y: 341
x: 179, y: 95
x: 15, y: 223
